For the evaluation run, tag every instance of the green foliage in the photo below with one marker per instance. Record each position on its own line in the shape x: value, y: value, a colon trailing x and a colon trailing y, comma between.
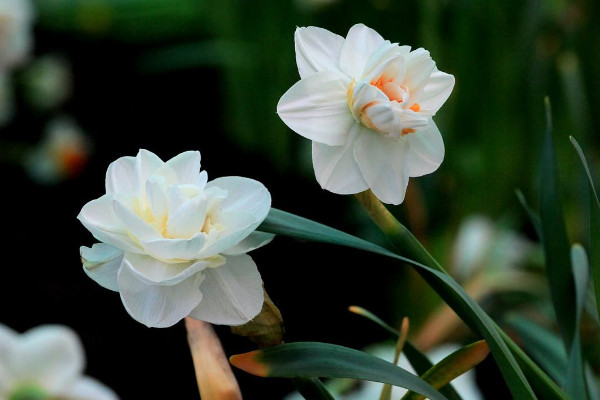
x: 280, y: 222
x: 312, y: 359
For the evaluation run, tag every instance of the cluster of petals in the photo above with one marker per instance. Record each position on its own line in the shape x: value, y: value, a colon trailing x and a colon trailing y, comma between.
x: 46, y: 362
x: 367, y: 105
x: 173, y: 244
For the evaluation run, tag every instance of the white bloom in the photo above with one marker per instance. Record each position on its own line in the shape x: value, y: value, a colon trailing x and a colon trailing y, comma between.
x: 175, y: 245
x: 46, y: 362
x: 62, y: 153
x: 16, y: 25
x: 367, y: 105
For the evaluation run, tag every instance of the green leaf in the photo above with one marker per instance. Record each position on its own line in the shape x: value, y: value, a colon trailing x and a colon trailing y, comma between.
x: 312, y: 389
x: 575, y: 385
x: 416, y: 358
x: 594, y: 225
x: 556, y: 242
x: 544, y: 346
x: 280, y: 222
x: 312, y: 359
x: 533, y: 217
x: 453, y: 366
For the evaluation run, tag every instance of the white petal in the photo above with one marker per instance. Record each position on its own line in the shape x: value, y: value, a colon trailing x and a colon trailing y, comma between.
x: 135, y: 226
x: 247, y: 204
x: 436, y: 92
x: 49, y: 355
x: 88, y: 389
x: 8, y: 344
x: 316, y: 107
x: 419, y: 67
x: 175, y: 250
x: 187, y: 168
x: 317, y: 49
x: 149, y: 270
x: 383, y: 54
x: 336, y: 169
x: 255, y: 240
x: 393, y: 68
x: 244, y: 195
x: 364, y: 93
x: 188, y: 219
x: 361, y: 43
x: 382, y: 117
x: 382, y: 162
x: 101, y: 262
x: 156, y: 196
x: 146, y: 164
x: 99, y: 218
x: 156, y: 305
x: 233, y: 293
x: 426, y: 151
x: 121, y: 176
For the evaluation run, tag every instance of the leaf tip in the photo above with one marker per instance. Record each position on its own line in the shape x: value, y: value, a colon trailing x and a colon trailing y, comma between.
x: 249, y: 363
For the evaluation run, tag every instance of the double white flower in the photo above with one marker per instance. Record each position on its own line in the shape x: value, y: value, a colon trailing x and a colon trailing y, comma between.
x: 173, y: 244
x: 46, y: 362
x: 367, y: 105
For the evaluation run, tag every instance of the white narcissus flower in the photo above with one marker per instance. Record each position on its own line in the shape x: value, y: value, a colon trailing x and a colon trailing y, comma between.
x: 173, y: 244
x: 46, y: 362
x: 16, y: 27
x: 367, y: 105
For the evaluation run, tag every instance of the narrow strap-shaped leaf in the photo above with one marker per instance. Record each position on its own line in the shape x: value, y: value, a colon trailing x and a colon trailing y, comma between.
x: 533, y: 217
x: 416, y: 358
x: 544, y: 346
x: 312, y: 389
x: 386, y: 392
x: 313, y: 359
x: 280, y: 222
x: 453, y: 366
x: 575, y: 385
x: 594, y: 225
x: 556, y: 242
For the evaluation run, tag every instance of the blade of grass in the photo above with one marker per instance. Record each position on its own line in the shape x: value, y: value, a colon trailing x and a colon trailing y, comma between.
x: 555, y: 241
x: 575, y: 384
x: 313, y: 359
x: 594, y: 225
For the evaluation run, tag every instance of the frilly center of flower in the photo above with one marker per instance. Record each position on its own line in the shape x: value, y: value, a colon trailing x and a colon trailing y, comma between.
x: 398, y: 96
x: 204, y: 213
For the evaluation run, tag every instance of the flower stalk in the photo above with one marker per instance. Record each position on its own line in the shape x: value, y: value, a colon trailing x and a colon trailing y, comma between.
x: 398, y: 235
x: 213, y: 373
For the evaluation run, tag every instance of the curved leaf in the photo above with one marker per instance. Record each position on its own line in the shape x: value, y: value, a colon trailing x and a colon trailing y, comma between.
x: 283, y: 223
x: 313, y: 359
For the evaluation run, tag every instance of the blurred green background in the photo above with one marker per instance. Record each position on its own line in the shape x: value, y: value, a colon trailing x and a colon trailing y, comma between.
x: 199, y: 74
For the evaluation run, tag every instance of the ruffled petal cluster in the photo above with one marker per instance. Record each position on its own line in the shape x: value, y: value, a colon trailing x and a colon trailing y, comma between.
x: 46, y: 362
x: 173, y: 244
x: 367, y: 104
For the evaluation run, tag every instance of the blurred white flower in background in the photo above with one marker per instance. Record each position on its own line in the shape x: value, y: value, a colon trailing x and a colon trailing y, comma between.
x: 367, y: 105
x: 16, y: 32
x: 494, y: 256
x: 47, y: 82
x: 465, y: 384
x: 62, y: 153
x: 174, y: 244
x: 45, y: 363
